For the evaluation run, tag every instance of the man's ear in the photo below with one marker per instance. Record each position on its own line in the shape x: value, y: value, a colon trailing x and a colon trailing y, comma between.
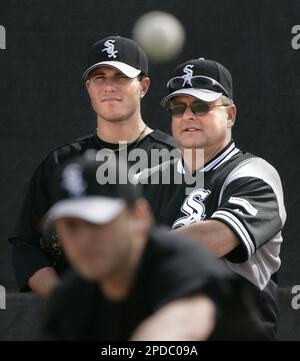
x: 231, y: 115
x: 145, y: 84
x: 87, y: 85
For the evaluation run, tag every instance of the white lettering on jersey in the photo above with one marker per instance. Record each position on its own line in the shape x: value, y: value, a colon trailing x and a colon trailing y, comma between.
x: 244, y: 204
x: 193, y: 207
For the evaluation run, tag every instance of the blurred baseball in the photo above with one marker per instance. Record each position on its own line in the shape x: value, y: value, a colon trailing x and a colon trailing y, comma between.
x: 160, y: 34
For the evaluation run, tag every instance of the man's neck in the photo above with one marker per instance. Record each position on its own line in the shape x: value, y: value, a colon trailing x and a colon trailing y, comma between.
x: 117, y: 286
x: 126, y: 130
x: 195, y: 159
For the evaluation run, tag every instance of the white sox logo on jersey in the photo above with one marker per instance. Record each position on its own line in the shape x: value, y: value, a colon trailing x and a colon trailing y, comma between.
x: 188, y: 74
x: 110, y: 48
x: 193, y: 207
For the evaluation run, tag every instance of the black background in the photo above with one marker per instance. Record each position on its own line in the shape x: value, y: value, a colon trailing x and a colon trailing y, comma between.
x: 43, y: 103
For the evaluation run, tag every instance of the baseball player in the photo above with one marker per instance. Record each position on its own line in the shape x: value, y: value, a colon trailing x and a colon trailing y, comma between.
x: 116, y: 80
x: 130, y: 280
x: 235, y: 206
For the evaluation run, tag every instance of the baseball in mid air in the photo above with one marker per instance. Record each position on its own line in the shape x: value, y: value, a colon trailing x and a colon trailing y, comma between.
x: 160, y: 34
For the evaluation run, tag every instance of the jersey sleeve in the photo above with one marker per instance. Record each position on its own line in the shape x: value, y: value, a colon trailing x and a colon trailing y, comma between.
x: 251, y: 204
x: 177, y: 268
x: 27, y: 254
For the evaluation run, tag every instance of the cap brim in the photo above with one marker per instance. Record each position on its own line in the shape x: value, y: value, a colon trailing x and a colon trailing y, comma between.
x: 96, y: 209
x: 202, y: 94
x: 126, y: 69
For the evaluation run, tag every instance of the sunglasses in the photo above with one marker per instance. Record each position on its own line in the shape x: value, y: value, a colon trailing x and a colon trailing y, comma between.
x: 197, y: 81
x: 177, y: 110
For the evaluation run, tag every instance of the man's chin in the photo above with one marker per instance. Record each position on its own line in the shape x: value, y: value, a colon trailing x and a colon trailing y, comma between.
x: 114, y: 119
x: 192, y: 145
x: 92, y: 275
x: 191, y: 142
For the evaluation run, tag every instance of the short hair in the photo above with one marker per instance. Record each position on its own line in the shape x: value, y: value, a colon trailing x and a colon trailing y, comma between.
x: 141, y: 76
x: 226, y: 100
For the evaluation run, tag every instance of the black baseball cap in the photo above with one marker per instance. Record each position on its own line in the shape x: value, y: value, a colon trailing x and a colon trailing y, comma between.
x: 79, y: 190
x: 118, y: 52
x: 201, y: 78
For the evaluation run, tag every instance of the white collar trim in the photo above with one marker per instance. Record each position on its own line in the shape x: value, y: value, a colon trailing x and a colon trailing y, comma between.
x: 223, y: 157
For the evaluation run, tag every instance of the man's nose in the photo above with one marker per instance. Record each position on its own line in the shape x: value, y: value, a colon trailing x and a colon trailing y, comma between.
x: 188, y: 112
x: 109, y: 84
x: 85, y: 234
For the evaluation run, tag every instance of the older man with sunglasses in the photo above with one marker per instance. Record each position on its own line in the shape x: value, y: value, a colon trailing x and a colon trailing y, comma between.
x: 237, y: 209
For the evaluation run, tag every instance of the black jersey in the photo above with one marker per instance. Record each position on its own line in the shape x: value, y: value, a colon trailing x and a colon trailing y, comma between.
x: 170, y: 268
x: 26, y: 239
x: 241, y: 190
x: 244, y: 192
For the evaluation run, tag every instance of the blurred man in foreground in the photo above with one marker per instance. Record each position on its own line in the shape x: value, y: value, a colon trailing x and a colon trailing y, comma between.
x: 131, y: 280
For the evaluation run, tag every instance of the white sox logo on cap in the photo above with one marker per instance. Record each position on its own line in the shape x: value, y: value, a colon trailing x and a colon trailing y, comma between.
x: 188, y: 74
x: 73, y: 181
x: 110, y: 48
